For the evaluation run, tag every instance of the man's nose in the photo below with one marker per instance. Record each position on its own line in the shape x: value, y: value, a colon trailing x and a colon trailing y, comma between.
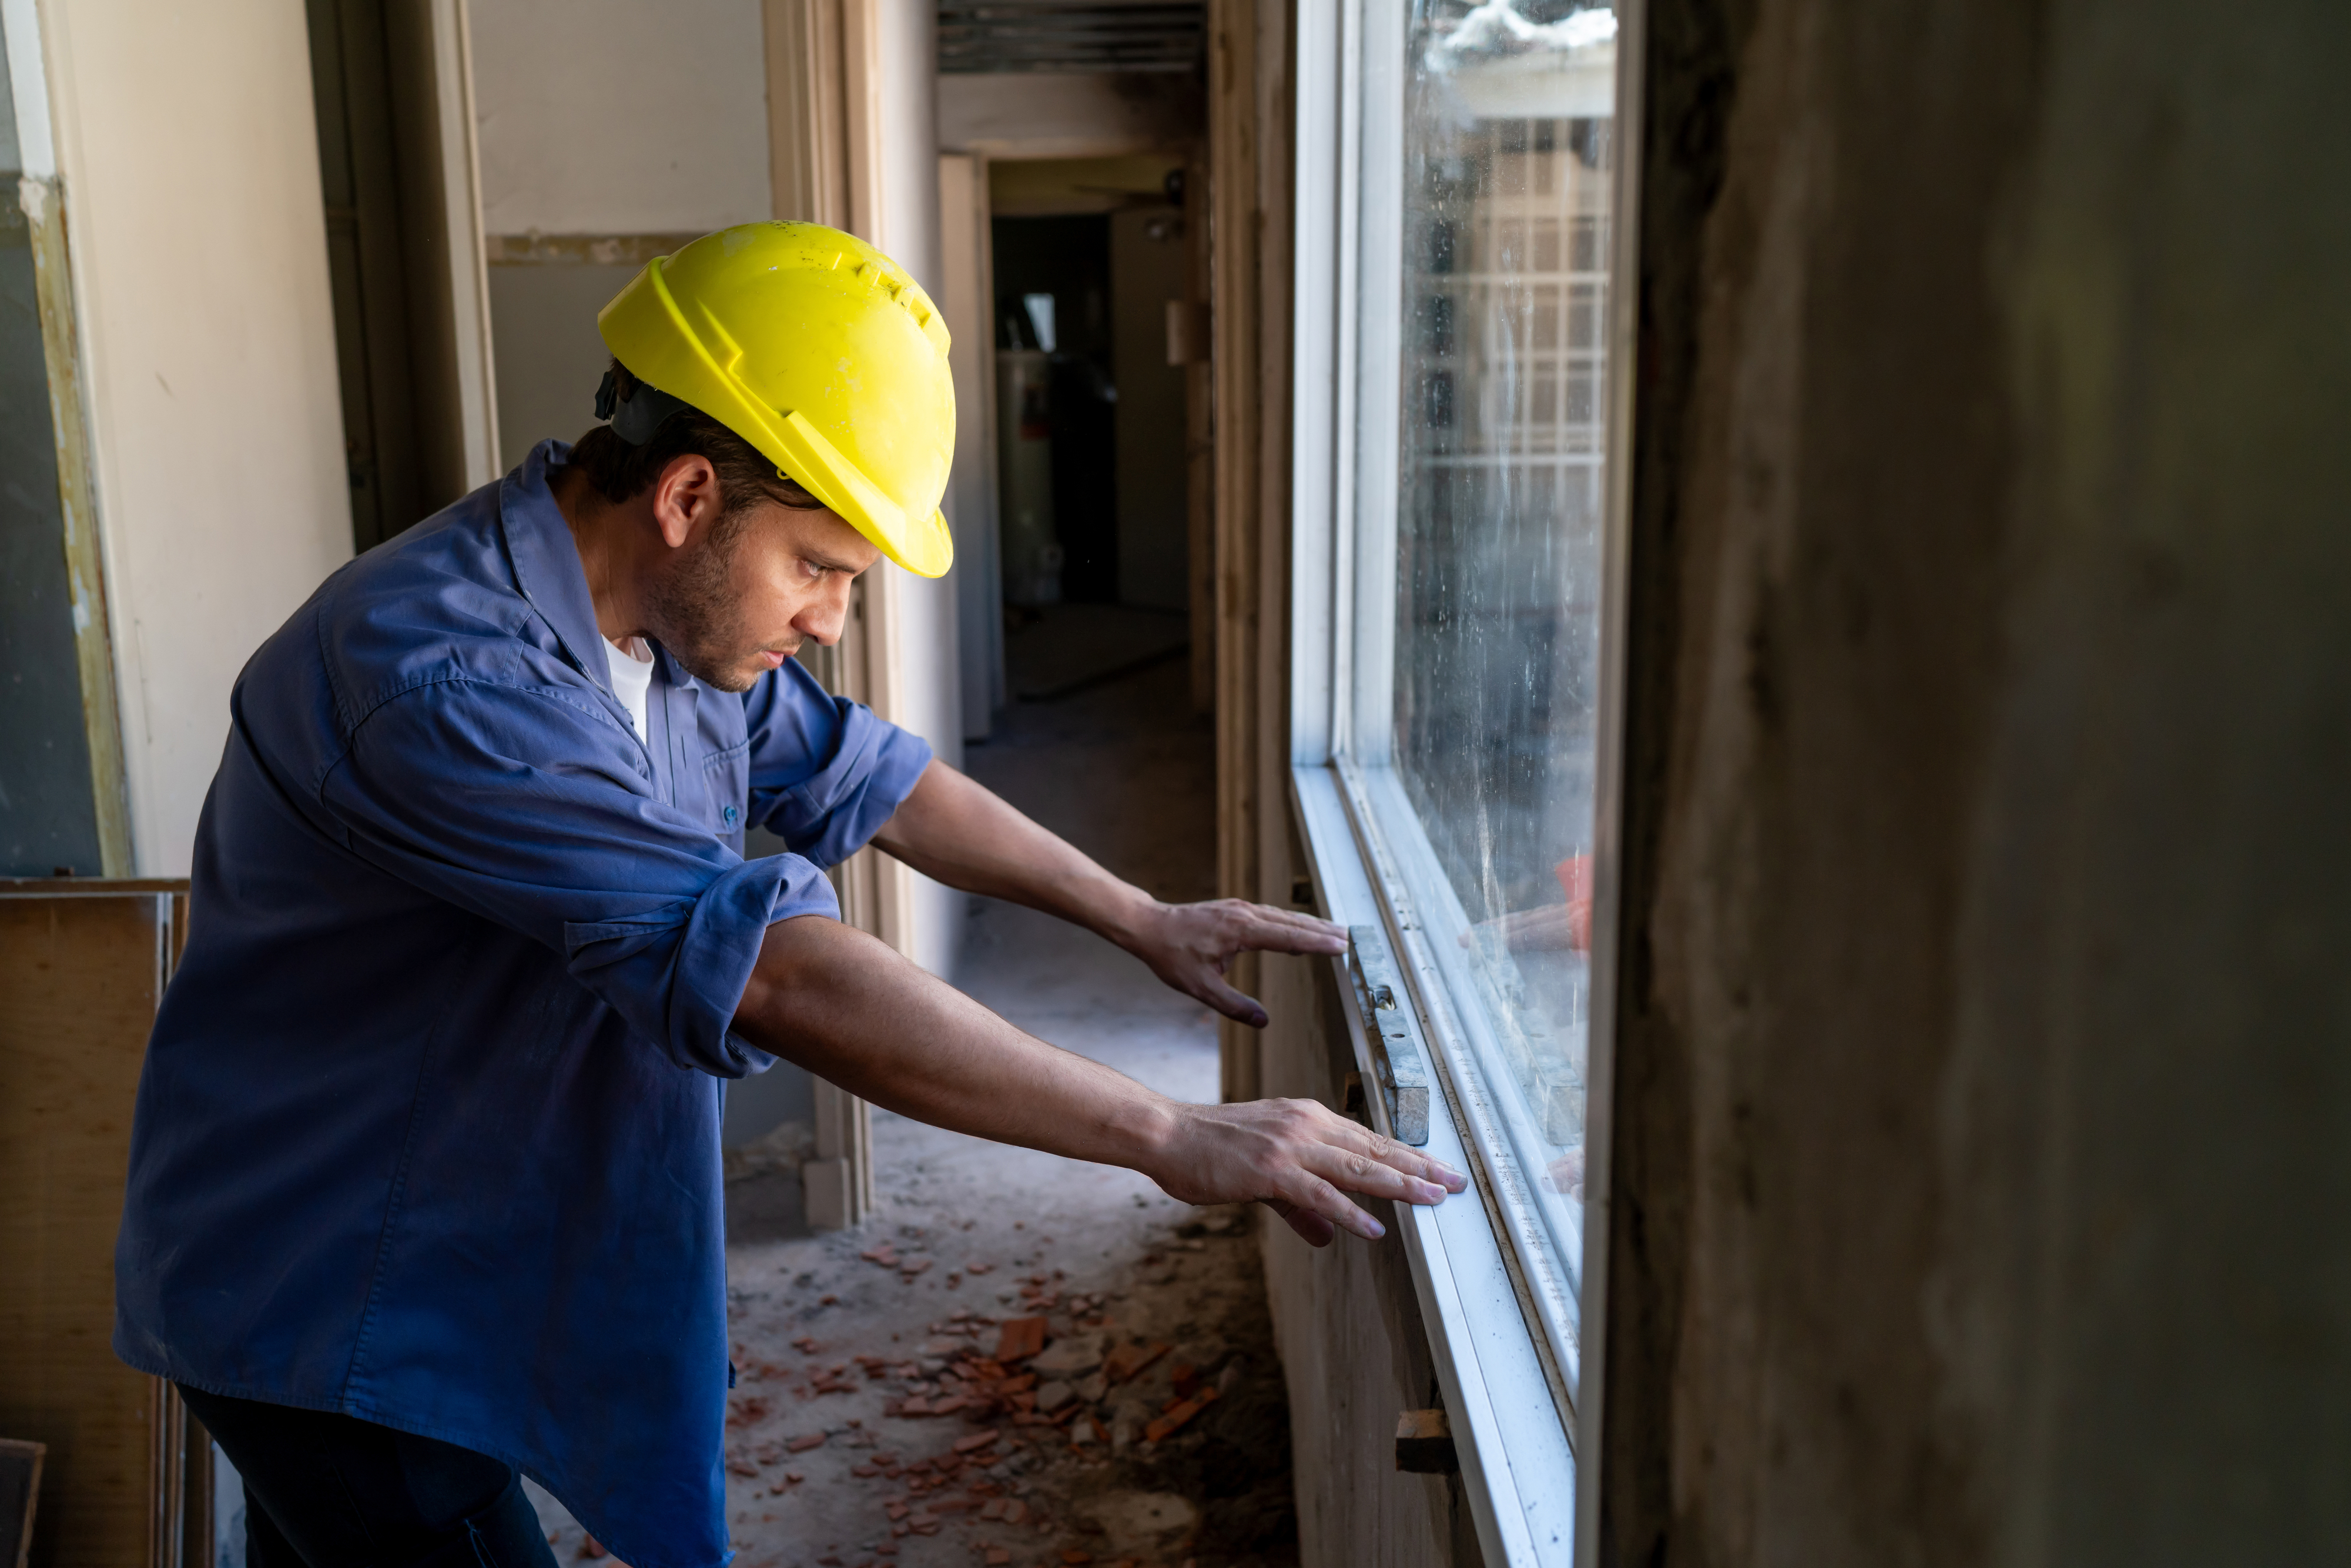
x: 828, y: 612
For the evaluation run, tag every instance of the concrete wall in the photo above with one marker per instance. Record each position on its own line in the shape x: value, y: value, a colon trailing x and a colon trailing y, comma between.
x: 1980, y: 1185
x: 200, y: 277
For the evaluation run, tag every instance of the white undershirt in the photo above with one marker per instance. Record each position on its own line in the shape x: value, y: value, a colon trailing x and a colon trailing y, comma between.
x: 633, y: 677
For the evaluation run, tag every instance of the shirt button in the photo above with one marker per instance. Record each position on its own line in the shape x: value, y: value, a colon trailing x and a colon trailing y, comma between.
x: 729, y: 815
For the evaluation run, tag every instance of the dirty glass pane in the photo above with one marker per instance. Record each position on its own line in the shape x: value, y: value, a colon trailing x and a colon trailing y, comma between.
x: 1506, y: 194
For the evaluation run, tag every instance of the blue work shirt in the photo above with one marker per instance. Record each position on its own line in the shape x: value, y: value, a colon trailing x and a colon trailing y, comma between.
x: 428, y: 1132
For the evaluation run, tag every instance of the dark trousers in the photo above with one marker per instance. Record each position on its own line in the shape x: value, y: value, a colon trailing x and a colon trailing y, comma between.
x: 333, y: 1491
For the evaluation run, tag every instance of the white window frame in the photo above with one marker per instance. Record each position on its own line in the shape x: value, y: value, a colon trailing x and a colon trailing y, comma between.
x: 1482, y: 1275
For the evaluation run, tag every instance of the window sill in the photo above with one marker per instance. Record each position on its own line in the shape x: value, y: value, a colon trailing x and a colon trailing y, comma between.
x: 1518, y: 1469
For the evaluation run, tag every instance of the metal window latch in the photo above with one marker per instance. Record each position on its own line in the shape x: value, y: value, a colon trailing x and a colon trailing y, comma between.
x: 1403, y: 1070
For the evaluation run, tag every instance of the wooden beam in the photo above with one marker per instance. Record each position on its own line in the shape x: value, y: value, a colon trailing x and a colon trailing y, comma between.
x: 1249, y: 98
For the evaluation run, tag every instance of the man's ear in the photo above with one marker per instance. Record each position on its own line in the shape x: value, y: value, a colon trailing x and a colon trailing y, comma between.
x: 685, y: 496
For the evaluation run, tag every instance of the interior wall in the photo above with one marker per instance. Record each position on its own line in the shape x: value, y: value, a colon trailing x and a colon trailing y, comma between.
x: 550, y: 357
x: 931, y: 699
x: 197, y: 236
x: 1978, y: 1189
x: 602, y: 121
x: 613, y: 117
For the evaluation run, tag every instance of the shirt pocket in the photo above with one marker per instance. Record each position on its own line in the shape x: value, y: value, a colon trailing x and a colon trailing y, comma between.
x: 726, y: 786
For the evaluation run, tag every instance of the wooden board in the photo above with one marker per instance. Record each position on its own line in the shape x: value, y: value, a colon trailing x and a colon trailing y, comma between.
x: 82, y: 967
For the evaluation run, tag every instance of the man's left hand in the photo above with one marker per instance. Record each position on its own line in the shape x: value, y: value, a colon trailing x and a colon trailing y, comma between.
x: 1188, y: 945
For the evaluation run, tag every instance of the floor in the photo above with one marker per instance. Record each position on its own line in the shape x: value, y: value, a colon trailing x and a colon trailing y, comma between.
x: 885, y: 1414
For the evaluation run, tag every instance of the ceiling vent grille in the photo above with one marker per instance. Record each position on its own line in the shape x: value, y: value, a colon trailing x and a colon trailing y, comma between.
x: 1071, y: 35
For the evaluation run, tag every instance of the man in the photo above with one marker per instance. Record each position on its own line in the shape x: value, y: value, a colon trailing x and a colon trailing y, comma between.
x: 424, y: 1184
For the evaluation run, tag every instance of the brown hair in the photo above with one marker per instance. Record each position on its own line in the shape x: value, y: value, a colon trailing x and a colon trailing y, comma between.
x: 621, y: 472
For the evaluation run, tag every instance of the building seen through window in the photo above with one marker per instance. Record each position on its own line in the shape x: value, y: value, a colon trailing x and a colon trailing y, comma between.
x: 1505, y: 199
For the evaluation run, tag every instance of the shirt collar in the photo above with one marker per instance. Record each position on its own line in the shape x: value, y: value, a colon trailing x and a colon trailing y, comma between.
x: 547, y: 559
x: 546, y: 566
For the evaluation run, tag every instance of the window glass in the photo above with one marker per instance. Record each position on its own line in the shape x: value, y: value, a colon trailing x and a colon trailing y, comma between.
x: 1505, y: 191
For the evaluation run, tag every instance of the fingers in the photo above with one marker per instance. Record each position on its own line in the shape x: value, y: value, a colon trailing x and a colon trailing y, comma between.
x: 1312, y: 1195
x: 1230, y: 1002
x: 1361, y: 1171
x: 1315, y: 1230
x: 1273, y: 930
x: 1360, y: 1160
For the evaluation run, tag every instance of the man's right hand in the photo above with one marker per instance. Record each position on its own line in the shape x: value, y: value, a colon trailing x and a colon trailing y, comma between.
x: 1299, y: 1158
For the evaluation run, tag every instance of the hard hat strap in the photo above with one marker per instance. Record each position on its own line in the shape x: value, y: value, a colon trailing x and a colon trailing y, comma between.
x: 639, y: 412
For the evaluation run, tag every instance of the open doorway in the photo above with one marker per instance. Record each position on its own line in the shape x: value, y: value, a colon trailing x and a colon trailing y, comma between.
x: 1089, y: 259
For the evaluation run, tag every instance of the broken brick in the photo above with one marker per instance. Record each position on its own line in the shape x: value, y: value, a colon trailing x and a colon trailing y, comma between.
x: 976, y: 1440
x: 1020, y: 1338
x: 1128, y: 1360
x: 802, y: 1444
x: 1175, y: 1421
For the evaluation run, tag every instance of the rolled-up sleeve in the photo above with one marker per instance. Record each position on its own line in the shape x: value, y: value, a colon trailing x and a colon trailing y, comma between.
x: 529, y: 808
x: 826, y: 772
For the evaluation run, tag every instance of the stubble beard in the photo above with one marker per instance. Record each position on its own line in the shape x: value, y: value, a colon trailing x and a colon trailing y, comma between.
x: 697, y: 615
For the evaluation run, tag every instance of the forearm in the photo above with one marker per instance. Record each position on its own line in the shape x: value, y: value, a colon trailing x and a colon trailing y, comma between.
x: 956, y: 830
x: 843, y: 1005
x: 846, y: 1007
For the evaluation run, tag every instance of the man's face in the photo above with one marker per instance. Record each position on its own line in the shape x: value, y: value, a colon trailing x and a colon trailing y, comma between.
x: 741, y: 595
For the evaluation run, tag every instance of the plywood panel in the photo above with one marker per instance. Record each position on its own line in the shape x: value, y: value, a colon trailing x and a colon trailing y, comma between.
x: 80, y: 974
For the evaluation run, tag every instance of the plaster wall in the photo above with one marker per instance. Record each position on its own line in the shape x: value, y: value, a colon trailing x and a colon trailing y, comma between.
x: 613, y: 117
x: 199, y: 263
x: 602, y: 117
x: 1982, y: 1075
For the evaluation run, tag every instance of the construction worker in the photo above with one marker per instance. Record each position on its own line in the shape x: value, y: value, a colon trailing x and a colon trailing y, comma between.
x: 426, y: 1183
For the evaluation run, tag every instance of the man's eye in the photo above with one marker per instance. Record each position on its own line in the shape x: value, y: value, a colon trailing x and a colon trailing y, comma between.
x: 814, y: 572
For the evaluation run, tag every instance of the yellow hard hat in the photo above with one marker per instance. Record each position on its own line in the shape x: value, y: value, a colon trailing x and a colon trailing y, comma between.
x: 819, y: 351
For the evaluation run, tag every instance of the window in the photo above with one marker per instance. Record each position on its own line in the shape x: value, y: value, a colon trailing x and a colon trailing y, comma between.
x: 1450, y: 524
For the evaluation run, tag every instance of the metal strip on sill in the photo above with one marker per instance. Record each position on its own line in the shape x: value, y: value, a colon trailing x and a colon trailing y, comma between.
x: 1518, y: 1466
x: 1493, y: 1166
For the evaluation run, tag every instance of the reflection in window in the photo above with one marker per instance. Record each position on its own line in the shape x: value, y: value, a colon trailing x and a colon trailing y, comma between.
x: 1506, y: 246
